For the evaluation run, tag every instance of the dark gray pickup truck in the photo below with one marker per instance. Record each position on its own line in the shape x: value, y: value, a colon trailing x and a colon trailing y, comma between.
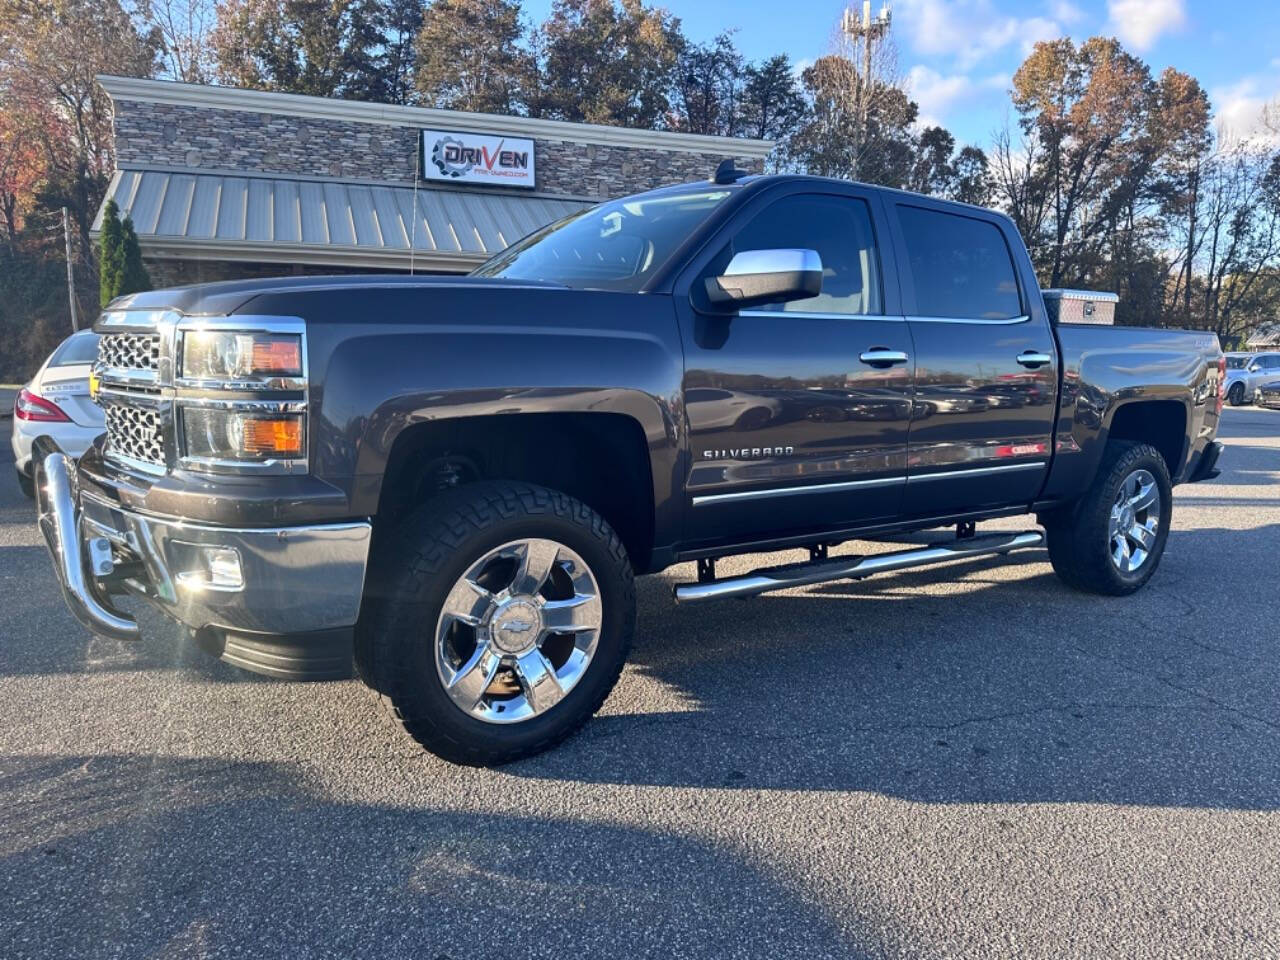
x: 451, y: 482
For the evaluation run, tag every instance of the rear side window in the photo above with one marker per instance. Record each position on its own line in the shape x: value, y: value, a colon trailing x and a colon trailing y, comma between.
x: 839, y: 229
x: 960, y: 266
x: 78, y: 348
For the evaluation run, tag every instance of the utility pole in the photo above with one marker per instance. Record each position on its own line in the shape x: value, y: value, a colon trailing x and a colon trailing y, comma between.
x: 870, y: 32
x: 71, y: 277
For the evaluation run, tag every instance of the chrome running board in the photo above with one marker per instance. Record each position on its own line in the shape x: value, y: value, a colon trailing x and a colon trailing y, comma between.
x: 853, y: 567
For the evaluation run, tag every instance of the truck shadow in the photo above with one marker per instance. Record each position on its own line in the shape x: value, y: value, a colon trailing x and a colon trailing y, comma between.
x: 994, y: 687
x: 39, y: 636
x: 145, y: 857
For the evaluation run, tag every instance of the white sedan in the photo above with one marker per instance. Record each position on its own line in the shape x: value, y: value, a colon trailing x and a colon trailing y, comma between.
x: 56, y: 402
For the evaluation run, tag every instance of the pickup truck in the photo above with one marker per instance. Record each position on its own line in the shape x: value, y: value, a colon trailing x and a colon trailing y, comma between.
x: 449, y: 483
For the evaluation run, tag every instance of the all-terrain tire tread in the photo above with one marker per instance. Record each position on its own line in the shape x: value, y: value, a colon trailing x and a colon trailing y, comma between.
x: 429, y: 537
x: 1071, y: 535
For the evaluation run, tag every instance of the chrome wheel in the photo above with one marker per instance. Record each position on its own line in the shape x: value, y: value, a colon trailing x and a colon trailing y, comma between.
x: 518, y: 631
x: 1135, y: 521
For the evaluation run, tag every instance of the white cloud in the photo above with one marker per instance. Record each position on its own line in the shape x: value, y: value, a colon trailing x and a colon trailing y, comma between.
x: 969, y: 30
x: 1065, y: 11
x: 938, y: 94
x: 1238, y: 109
x: 1140, y: 23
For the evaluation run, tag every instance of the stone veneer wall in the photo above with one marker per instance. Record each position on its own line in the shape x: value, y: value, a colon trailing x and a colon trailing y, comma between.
x: 173, y: 136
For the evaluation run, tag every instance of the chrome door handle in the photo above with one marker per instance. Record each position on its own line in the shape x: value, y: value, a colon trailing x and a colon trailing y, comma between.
x: 1034, y: 358
x: 882, y: 357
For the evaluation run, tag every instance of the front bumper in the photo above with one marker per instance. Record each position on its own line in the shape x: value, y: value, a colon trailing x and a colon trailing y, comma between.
x: 292, y: 616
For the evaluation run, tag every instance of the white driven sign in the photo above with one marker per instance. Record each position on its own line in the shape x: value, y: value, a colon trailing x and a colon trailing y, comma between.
x: 477, y: 158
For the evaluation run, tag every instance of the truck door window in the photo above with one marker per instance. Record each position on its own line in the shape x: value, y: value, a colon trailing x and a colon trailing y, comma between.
x: 839, y: 228
x: 961, y: 266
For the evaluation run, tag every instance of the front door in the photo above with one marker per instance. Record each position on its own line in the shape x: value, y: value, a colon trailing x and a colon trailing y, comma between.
x: 798, y: 413
x: 986, y: 366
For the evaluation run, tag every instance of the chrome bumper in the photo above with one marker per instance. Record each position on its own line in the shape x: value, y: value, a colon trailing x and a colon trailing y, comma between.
x: 56, y: 510
x: 295, y: 580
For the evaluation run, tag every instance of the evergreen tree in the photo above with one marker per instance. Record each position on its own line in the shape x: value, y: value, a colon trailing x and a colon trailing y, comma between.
x: 120, y: 266
x: 111, y: 253
x: 133, y: 277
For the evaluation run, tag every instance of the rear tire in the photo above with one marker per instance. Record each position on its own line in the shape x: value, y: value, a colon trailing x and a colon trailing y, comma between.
x: 27, y: 484
x: 426, y: 645
x: 1235, y: 396
x: 1111, y: 540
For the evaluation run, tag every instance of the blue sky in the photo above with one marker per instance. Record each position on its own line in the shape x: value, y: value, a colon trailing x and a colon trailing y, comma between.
x: 958, y: 55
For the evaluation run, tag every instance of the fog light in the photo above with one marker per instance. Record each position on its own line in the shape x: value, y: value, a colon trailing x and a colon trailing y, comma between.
x: 210, y: 568
x: 223, y: 567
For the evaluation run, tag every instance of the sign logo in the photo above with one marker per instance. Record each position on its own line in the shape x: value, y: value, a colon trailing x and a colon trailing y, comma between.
x: 477, y: 158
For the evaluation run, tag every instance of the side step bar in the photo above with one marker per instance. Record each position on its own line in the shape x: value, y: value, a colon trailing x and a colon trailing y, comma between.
x: 853, y: 567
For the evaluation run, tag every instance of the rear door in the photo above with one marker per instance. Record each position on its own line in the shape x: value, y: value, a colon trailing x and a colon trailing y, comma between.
x: 792, y: 427
x: 986, y: 362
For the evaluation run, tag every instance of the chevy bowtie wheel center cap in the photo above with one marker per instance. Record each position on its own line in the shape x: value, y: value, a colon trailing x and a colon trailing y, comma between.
x: 516, y: 625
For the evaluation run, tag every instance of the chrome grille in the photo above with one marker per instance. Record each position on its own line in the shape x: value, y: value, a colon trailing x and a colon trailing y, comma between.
x: 130, y: 351
x: 134, y: 432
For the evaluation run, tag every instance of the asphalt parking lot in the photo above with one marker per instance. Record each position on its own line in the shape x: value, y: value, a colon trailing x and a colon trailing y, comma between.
x: 969, y: 760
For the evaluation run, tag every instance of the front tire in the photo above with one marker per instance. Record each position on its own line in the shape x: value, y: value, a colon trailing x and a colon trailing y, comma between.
x: 1235, y: 396
x: 1111, y: 541
x: 498, y: 621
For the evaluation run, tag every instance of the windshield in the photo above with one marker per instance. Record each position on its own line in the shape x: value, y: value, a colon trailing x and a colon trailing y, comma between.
x: 1237, y: 363
x: 77, y: 348
x: 614, y: 246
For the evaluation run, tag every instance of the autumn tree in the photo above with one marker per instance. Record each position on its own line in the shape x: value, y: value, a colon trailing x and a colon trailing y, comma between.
x: 468, y: 56
x: 22, y: 166
x: 1089, y: 110
x: 604, y: 61
x: 51, y: 52
x: 323, y: 48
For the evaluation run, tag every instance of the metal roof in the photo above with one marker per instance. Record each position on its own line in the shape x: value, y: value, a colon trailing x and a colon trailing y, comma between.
x: 276, y: 219
x: 1267, y: 335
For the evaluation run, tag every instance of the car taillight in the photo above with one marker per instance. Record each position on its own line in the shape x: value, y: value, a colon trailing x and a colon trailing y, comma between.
x: 28, y: 406
x: 1222, y: 381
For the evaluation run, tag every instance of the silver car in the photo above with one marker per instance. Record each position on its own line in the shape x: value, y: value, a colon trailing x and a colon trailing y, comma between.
x: 1248, y: 371
x: 56, y: 402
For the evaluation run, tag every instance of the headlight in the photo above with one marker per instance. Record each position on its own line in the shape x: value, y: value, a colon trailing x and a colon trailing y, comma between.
x: 229, y: 355
x: 241, y: 435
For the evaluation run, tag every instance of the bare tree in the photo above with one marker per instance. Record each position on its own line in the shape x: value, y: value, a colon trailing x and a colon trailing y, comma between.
x: 184, y: 28
x: 1241, y: 246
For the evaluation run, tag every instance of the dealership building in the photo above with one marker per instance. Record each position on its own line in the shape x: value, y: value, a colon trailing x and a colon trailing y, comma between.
x: 224, y: 183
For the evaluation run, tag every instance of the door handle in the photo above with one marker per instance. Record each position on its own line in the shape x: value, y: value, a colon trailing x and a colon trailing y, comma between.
x: 1034, y: 358
x: 882, y: 357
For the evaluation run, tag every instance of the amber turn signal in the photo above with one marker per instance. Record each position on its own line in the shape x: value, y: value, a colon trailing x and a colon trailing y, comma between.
x: 281, y: 438
x: 277, y: 356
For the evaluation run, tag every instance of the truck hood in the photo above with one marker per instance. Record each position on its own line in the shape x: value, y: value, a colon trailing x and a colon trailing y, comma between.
x: 223, y: 298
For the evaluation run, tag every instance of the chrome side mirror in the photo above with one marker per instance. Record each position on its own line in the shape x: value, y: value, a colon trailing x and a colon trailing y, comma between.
x: 1255, y: 367
x: 756, y: 277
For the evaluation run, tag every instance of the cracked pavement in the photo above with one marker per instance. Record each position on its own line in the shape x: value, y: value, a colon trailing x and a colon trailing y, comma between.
x: 968, y: 760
